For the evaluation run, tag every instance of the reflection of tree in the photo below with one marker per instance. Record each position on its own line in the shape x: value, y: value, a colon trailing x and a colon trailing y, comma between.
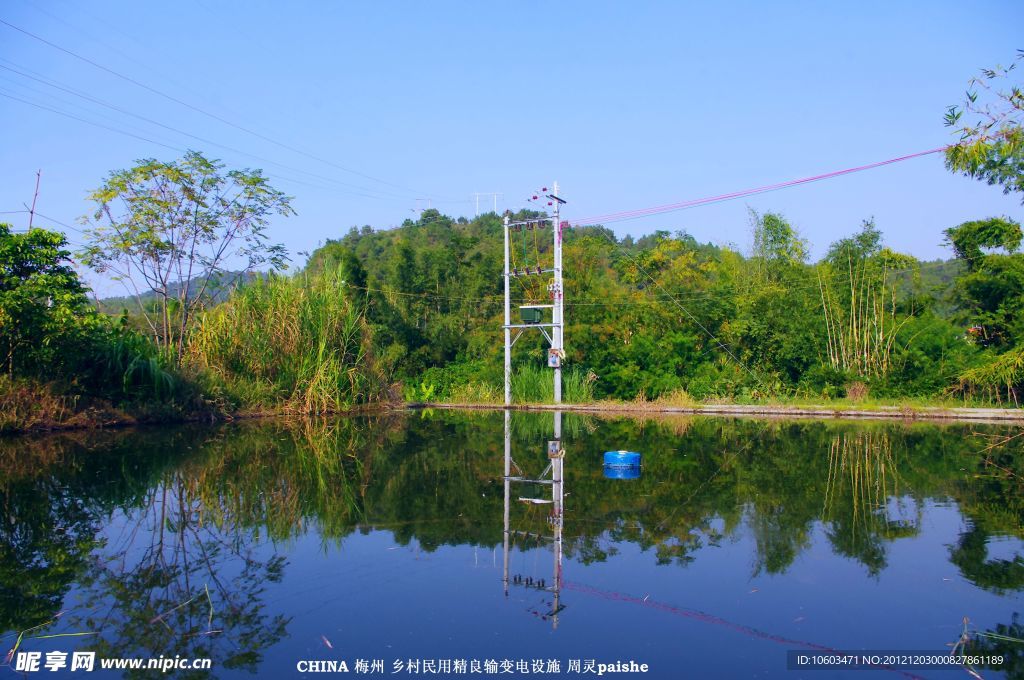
x: 778, y: 540
x: 46, y: 536
x: 53, y: 497
x: 862, y: 477
x: 179, y: 585
x: 202, y: 500
x: 971, y: 556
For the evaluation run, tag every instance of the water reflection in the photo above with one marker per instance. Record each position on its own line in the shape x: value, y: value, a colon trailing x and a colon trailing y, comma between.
x: 201, y: 541
x: 553, y: 477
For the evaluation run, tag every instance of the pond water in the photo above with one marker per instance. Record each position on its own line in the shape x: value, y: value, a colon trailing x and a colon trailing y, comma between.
x: 399, y: 540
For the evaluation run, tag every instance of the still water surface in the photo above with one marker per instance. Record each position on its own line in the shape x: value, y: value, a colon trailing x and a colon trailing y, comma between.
x: 261, y: 545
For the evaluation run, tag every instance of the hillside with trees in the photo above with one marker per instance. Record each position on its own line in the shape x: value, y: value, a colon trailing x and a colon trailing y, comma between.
x: 665, y: 313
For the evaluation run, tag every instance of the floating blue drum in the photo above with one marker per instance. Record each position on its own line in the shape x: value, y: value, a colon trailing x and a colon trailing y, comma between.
x: 621, y: 459
x: 621, y: 472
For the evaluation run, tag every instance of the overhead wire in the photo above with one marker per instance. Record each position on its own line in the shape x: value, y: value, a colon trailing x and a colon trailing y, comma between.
x: 81, y: 9
x: 202, y: 111
x: 89, y: 122
x: 62, y: 87
x: 673, y: 207
x: 611, y: 217
x: 122, y: 131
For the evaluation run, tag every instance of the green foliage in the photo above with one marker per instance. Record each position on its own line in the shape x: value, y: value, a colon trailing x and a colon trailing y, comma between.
x: 656, y: 315
x: 298, y: 342
x: 776, y: 243
x: 969, y: 238
x: 170, y: 228
x: 44, y: 313
x: 991, y: 144
x: 1002, y: 375
x: 58, y: 350
x: 991, y: 294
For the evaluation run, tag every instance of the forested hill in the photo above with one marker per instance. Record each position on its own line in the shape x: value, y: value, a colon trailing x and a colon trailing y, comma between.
x: 662, y: 313
x: 214, y: 289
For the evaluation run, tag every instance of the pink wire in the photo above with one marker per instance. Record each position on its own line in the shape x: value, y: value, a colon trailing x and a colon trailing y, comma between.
x: 643, y: 212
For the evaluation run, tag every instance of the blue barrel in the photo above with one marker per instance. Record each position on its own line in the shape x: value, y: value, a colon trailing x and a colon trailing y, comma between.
x: 622, y: 459
x: 611, y: 472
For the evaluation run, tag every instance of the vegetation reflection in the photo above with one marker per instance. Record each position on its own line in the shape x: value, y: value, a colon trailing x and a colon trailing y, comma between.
x: 170, y: 538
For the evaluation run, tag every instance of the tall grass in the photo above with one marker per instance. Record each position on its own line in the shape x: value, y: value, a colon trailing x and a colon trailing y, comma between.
x: 535, y: 384
x: 296, y: 343
x: 133, y: 366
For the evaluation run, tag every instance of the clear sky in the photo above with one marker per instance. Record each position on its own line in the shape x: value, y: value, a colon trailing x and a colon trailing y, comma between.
x: 626, y: 104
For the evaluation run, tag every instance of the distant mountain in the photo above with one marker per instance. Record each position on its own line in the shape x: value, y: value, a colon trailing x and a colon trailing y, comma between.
x: 217, y: 291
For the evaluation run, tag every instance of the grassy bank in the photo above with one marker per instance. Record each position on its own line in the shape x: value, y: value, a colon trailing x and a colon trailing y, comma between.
x: 277, y: 346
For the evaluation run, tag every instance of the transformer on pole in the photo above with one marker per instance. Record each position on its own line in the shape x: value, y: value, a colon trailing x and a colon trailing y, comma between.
x: 531, y: 317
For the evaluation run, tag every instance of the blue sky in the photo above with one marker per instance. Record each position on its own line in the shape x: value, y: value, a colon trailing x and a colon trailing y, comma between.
x: 627, y: 105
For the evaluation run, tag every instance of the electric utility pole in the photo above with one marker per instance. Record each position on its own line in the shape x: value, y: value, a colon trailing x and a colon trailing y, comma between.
x: 493, y: 194
x: 530, y: 313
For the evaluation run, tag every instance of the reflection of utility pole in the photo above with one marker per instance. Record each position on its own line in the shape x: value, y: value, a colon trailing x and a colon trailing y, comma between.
x: 508, y: 473
x: 557, y: 456
x: 556, y: 459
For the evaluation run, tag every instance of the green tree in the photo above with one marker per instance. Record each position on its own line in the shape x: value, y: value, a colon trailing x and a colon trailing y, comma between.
x: 43, y: 306
x: 171, y: 229
x: 990, y: 292
x: 991, y: 148
x: 777, y: 244
x: 991, y: 144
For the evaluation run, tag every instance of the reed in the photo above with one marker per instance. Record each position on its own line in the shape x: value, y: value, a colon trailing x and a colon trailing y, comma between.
x: 535, y: 385
x: 297, y: 344
x: 132, y: 364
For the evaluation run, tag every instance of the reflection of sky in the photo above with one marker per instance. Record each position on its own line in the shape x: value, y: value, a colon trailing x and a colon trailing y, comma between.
x: 372, y: 598
x: 720, y: 614
x: 1004, y: 547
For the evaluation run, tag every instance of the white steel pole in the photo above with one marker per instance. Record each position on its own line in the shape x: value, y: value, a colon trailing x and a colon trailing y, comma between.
x: 508, y: 321
x: 557, y: 311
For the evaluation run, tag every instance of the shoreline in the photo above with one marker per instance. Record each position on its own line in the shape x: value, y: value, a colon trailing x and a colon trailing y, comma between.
x: 811, y: 412
x: 918, y: 413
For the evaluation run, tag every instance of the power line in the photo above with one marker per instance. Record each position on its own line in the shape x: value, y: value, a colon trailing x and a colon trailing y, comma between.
x: 177, y: 149
x: 197, y: 109
x: 672, y: 207
x: 81, y: 10
x: 54, y: 84
x: 89, y: 122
